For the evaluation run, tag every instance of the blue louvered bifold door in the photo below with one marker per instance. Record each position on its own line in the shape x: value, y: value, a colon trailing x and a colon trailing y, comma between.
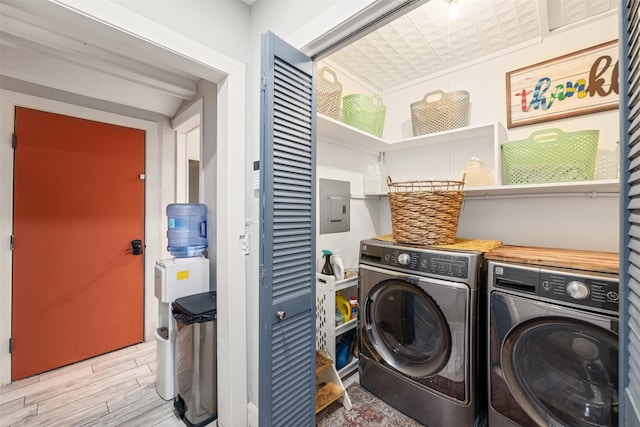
x: 287, y: 237
x: 630, y: 212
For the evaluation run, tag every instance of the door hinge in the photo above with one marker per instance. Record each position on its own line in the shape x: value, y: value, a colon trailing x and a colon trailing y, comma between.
x: 14, y: 141
x: 263, y: 82
x: 143, y: 176
x: 261, y: 274
x: 11, y: 242
x: 10, y: 345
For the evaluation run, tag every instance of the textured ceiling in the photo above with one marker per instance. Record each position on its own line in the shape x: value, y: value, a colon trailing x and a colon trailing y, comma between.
x: 50, y: 45
x: 426, y: 41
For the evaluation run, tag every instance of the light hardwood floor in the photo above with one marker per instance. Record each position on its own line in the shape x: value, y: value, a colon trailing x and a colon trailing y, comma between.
x: 109, y: 390
x: 115, y: 389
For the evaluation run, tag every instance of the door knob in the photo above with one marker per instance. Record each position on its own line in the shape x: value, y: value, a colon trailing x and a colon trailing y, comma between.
x: 136, y: 247
x: 281, y: 314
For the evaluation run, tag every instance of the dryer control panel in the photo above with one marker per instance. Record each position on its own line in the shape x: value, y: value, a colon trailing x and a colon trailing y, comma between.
x: 598, y: 291
x: 442, y: 264
x: 424, y: 262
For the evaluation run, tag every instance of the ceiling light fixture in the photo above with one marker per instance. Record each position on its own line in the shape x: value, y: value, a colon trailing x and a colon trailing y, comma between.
x: 454, y: 9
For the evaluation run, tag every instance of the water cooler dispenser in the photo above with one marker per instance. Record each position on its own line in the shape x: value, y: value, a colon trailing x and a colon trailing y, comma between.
x: 187, y: 273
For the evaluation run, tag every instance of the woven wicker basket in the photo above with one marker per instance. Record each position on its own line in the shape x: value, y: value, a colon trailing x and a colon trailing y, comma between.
x: 425, y: 212
x: 328, y: 93
x: 439, y: 111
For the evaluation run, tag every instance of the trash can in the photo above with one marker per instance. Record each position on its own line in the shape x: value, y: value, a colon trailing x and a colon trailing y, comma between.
x: 196, y: 347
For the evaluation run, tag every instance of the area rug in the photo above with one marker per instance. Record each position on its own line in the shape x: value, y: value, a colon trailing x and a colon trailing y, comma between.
x: 367, y: 411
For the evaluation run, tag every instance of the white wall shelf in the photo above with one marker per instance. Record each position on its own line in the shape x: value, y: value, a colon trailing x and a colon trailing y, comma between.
x: 339, y: 133
x: 583, y: 188
x: 438, y: 148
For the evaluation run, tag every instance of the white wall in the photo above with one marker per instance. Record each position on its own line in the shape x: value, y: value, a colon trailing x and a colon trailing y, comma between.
x: 343, y: 164
x: 221, y: 25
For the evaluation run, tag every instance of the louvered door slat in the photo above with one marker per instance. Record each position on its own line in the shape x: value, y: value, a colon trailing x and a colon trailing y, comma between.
x: 630, y: 269
x: 287, y: 235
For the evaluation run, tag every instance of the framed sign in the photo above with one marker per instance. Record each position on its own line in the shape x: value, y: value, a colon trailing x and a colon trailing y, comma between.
x: 579, y: 83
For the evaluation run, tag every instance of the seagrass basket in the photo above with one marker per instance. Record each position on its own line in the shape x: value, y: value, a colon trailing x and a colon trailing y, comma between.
x: 425, y: 212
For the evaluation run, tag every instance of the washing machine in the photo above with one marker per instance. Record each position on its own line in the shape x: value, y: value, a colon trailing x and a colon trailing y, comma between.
x: 418, y: 331
x: 553, y: 346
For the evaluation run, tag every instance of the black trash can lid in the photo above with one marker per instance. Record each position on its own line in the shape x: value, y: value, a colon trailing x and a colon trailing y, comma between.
x: 203, y: 304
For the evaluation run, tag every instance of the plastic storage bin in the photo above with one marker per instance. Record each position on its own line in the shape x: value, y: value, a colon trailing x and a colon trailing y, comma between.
x: 439, y: 111
x: 196, y: 348
x: 551, y: 155
x: 329, y: 93
x: 187, y: 229
x: 366, y: 113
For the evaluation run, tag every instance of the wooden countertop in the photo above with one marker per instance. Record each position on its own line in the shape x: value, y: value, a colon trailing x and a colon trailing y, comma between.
x: 604, y: 262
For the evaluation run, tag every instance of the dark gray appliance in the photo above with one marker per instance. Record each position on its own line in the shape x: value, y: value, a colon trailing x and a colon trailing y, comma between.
x: 553, y: 347
x: 196, y: 347
x: 418, y: 331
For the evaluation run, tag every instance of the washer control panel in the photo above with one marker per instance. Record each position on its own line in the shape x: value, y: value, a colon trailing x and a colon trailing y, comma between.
x: 591, y: 291
x: 599, y: 291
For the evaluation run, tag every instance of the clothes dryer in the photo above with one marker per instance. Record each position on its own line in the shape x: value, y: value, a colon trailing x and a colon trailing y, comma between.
x: 418, y: 330
x: 553, y: 347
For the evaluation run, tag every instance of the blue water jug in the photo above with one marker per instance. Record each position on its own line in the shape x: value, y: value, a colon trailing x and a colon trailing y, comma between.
x: 187, y: 229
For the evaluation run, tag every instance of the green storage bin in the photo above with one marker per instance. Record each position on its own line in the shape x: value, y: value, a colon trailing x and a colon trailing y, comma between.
x: 363, y: 112
x: 551, y: 155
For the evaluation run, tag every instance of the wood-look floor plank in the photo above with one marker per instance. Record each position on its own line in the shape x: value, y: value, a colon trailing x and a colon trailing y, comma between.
x: 150, y: 415
x: 45, y: 386
x: 123, y: 370
x: 11, y: 406
x: 148, y: 378
x: 17, y: 384
x: 89, y: 395
x: 116, y: 403
x: 64, y: 417
x: 171, y: 421
x: 87, y: 362
x: 133, y: 409
x: 117, y: 388
x: 114, y: 360
x: 146, y: 357
x: 11, y: 418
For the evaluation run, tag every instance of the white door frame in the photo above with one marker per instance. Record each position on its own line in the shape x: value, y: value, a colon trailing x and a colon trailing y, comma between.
x: 183, y: 124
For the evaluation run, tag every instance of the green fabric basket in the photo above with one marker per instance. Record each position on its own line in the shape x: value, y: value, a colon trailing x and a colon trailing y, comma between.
x: 551, y: 155
x: 364, y: 112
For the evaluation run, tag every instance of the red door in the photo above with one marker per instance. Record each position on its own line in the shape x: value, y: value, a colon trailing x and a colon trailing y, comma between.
x: 78, y: 204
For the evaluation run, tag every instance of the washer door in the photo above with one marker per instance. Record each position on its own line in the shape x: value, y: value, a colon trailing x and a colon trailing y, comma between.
x: 407, y: 328
x: 563, y: 372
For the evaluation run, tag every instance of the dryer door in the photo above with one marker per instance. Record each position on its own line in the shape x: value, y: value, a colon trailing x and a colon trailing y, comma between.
x: 418, y: 328
x: 407, y: 328
x: 563, y: 371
